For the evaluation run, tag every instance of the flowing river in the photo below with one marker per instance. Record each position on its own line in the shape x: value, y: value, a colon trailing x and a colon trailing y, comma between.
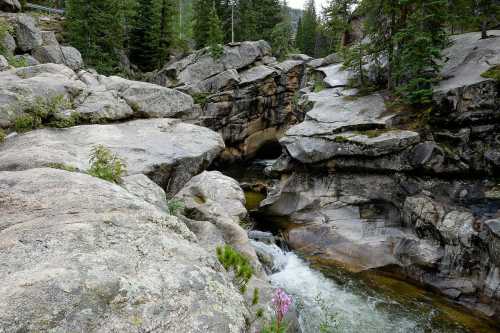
x: 341, y: 302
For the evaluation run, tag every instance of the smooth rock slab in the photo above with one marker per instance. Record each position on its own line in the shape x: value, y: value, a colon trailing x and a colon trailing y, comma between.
x: 168, y: 151
x: 79, y: 254
x: 317, y: 149
x: 467, y: 58
x: 333, y: 113
x: 335, y: 76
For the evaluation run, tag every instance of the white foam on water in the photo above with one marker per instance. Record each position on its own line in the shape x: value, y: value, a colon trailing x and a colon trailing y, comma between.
x: 321, y: 299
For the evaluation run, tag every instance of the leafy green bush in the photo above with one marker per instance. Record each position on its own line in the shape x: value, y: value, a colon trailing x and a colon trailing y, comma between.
x: 17, y: 62
x: 238, y: 263
x: 26, y: 123
x: 175, y: 206
x: 2, y: 135
x: 42, y: 111
x: 106, y: 165
x: 200, y: 98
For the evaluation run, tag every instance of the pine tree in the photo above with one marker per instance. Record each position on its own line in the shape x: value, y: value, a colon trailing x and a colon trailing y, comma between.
x: 144, y: 38
x: 338, y: 14
x: 487, y: 11
x: 215, y: 34
x: 309, y: 29
x: 96, y: 28
x: 201, y: 11
x: 183, y: 24
x: 268, y: 14
x: 420, y: 43
x: 246, y: 27
x: 299, y: 36
x: 166, y: 37
x: 281, y: 36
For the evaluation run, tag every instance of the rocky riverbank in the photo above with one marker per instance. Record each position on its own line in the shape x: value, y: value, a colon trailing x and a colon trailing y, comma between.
x: 369, y: 186
x: 359, y: 183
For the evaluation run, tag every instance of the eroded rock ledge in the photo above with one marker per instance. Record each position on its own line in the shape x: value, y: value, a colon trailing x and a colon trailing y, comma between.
x: 246, y: 95
x: 366, y: 187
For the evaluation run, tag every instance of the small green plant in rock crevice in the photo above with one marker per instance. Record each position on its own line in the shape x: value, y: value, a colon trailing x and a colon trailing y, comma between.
x: 17, y: 62
x: 2, y: 135
x: 319, y: 85
x: 238, y: 263
x: 5, y: 28
x: 175, y: 206
x: 200, y: 98
x: 42, y: 111
x: 106, y: 165
x: 234, y: 261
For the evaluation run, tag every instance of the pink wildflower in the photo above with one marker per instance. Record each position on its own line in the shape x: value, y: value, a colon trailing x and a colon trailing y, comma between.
x: 281, y: 301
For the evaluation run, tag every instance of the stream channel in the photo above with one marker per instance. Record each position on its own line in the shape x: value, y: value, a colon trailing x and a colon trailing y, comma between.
x: 341, y: 301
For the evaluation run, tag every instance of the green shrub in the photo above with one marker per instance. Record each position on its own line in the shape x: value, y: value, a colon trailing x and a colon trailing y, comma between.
x: 72, y: 120
x: 5, y: 28
x: 41, y: 112
x: 17, y: 62
x: 106, y: 165
x: 26, y: 123
x: 238, y: 263
x: 175, y: 206
x: 492, y: 73
x: 2, y: 135
x: 201, y: 98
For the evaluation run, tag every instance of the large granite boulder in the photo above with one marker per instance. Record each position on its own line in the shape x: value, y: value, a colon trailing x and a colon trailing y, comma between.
x: 168, y: 151
x: 28, y: 35
x: 218, y: 199
x: 201, y: 65
x: 22, y: 86
x: 143, y: 187
x: 149, y: 99
x: 102, y: 106
x: 82, y: 254
x: 54, y: 53
x: 95, y: 98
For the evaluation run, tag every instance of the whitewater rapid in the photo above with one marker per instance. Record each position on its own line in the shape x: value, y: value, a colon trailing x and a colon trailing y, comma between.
x: 344, y: 308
